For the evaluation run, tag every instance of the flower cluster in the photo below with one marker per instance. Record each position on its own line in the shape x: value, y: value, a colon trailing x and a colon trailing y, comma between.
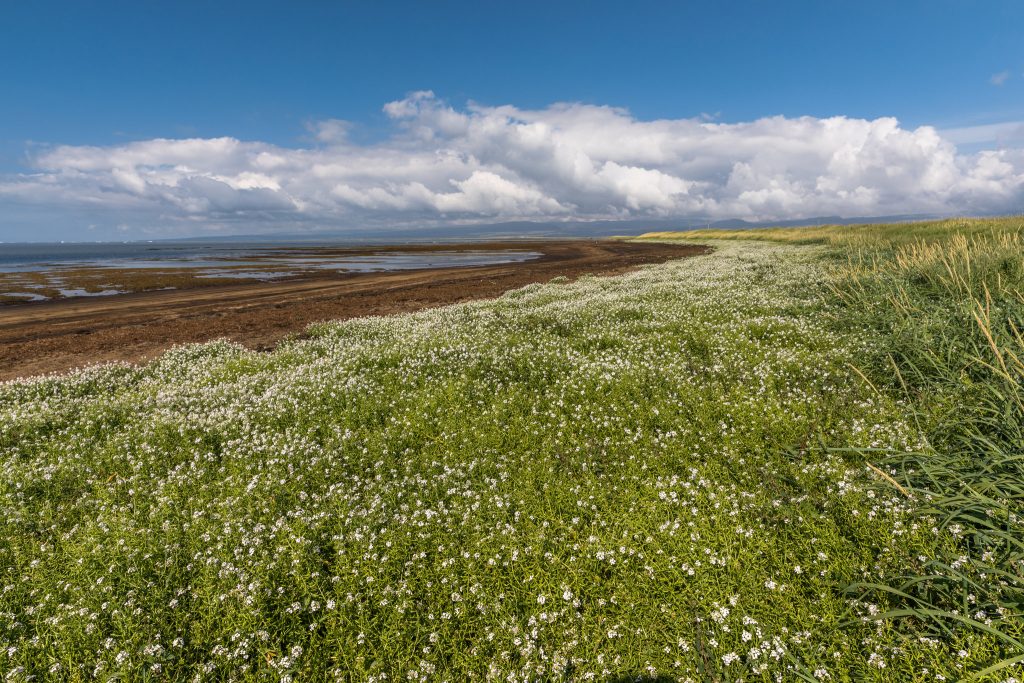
x: 617, y: 476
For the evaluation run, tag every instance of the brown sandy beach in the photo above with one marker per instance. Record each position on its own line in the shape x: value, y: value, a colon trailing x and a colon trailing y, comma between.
x: 60, y: 335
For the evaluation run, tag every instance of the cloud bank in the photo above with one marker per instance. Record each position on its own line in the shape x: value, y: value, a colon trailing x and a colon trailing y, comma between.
x: 567, y: 161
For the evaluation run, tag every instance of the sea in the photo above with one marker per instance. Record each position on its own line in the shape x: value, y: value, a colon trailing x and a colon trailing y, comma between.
x: 41, y: 257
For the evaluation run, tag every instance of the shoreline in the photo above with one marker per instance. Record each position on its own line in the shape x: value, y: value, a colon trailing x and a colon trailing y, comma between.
x: 64, y: 334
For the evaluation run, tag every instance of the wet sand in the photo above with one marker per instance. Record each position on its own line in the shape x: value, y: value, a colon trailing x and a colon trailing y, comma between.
x: 51, y: 336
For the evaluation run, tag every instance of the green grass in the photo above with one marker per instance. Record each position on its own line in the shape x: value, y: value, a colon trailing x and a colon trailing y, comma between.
x: 786, y: 460
x: 946, y: 301
x: 882, y: 236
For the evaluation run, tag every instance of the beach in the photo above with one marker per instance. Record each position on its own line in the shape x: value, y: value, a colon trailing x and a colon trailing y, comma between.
x: 62, y: 334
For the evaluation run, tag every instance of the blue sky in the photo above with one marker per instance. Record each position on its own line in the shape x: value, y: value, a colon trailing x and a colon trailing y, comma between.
x: 111, y: 74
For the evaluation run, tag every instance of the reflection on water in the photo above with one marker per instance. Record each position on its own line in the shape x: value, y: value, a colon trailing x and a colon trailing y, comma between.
x: 248, y: 274
x: 86, y: 274
x: 368, y: 263
x: 415, y: 260
x: 395, y: 260
x: 26, y: 296
x: 82, y: 292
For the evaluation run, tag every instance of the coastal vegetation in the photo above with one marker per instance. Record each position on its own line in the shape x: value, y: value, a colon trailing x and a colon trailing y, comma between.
x: 798, y: 457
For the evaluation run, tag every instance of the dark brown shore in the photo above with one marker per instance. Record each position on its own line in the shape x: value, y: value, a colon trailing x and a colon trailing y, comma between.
x: 51, y: 336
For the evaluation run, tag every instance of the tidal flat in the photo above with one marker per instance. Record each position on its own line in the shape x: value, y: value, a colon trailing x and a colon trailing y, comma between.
x: 59, y: 271
x: 52, y: 336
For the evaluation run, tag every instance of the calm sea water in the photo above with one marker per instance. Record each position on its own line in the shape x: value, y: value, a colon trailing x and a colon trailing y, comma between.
x: 16, y: 258
x: 234, y: 260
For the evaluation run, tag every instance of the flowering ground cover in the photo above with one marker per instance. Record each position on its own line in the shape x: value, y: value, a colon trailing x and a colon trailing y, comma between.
x: 743, y: 466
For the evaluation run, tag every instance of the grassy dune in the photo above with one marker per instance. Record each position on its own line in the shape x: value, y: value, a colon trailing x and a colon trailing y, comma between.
x: 881, y: 236
x: 797, y: 458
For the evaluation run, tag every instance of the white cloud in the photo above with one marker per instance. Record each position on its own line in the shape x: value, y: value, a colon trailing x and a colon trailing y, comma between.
x: 1007, y: 134
x: 999, y: 78
x: 564, y: 161
x: 331, y: 131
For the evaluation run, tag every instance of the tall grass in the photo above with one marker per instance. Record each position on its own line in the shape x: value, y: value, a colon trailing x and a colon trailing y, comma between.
x: 951, y: 310
x: 945, y: 302
x: 884, y: 235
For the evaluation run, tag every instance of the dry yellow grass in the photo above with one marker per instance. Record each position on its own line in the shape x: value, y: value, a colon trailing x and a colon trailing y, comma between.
x: 862, y: 235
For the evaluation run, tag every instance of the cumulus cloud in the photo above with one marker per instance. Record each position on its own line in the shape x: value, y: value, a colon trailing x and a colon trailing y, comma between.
x: 565, y: 161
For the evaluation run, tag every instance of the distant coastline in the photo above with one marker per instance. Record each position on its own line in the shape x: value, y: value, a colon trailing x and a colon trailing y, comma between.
x: 509, y: 230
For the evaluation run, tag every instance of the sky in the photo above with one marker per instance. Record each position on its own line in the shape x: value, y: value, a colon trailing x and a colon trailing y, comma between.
x: 138, y: 120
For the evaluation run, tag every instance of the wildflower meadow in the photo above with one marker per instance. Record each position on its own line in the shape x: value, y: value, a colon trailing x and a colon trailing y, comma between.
x: 799, y: 457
